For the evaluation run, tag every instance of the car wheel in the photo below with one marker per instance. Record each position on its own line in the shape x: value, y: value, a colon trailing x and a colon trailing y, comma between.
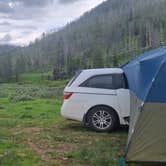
x: 102, y: 119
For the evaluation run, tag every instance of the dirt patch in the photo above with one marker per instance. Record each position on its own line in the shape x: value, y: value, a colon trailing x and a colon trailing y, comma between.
x: 32, y: 129
x: 62, y: 148
x: 42, y: 152
x: 65, y: 147
x: 46, y: 151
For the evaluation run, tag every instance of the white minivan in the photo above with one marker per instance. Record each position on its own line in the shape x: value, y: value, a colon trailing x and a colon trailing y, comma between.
x: 99, y: 98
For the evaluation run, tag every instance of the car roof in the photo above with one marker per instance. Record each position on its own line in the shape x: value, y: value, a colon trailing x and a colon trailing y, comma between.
x: 103, y: 70
x: 87, y: 73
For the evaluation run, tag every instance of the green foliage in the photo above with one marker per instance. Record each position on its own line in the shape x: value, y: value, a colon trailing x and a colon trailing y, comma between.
x: 42, y: 79
x: 34, y: 133
x: 20, y: 97
x: 29, y: 92
x: 32, y: 78
x: 99, y: 38
x: 99, y: 154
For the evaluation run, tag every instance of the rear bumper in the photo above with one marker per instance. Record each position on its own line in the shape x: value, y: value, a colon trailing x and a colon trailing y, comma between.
x: 70, y: 112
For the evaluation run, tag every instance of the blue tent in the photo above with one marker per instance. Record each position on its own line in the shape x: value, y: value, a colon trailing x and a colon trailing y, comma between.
x: 146, y: 77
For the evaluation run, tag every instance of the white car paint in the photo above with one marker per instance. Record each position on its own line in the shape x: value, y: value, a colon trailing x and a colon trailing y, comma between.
x: 84, y: 98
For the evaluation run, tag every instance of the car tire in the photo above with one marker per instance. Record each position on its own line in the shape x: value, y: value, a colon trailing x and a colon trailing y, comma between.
x: 103, y: 119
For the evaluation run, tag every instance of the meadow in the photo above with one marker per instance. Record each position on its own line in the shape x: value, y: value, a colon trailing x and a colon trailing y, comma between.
x: 33, y: 132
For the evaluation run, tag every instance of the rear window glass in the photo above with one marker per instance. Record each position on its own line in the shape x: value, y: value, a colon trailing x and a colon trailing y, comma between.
x: 74, y: 78
x: 111, y: 81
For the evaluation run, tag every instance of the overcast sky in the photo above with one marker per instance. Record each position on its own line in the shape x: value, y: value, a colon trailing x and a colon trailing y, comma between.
x: 21, y: 21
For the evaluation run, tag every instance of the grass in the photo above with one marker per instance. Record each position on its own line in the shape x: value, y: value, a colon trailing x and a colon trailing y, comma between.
x: 33, y: 133
x: 41, y: 78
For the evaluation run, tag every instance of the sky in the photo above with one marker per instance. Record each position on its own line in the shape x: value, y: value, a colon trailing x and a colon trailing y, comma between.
x: 22, y: 21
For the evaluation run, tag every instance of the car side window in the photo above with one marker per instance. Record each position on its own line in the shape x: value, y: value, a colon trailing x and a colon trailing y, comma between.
x: 109, y: 81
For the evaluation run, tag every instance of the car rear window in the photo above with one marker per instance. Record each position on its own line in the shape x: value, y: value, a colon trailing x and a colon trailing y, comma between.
x: 109, y: 81
x: 74, y: 78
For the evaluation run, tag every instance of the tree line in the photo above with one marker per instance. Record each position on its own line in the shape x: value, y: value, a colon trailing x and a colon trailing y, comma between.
x: 106, y: 36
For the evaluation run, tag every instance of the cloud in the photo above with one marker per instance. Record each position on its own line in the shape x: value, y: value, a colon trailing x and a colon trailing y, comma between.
x: 6, y: 39
x: 5, y: 23
x: 24, y: 20
x: 38, y: 3
x: 5, y: 8
x: 67, y: 1
x: 27, y: 3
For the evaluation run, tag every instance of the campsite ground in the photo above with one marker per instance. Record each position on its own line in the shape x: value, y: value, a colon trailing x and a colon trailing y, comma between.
x: 33, y: 132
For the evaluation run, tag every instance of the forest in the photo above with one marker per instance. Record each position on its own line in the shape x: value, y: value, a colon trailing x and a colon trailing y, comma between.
x: 108, y: 35
x: 33, y: 77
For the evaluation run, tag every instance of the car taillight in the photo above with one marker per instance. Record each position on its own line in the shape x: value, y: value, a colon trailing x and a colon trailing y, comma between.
x: 67, y: 95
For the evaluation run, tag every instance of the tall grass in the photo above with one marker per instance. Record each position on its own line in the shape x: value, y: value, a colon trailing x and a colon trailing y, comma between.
x: 29, y: 92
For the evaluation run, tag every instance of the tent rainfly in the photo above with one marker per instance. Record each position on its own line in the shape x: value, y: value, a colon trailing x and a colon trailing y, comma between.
x: 146, y: 77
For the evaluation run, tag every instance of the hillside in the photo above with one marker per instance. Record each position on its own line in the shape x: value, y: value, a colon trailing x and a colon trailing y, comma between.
x: 106, y: 36
x: 4, y: 49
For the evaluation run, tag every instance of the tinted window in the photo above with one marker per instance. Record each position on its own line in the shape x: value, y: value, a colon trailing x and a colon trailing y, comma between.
x: 120, y: 81
x: 111, y: 81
